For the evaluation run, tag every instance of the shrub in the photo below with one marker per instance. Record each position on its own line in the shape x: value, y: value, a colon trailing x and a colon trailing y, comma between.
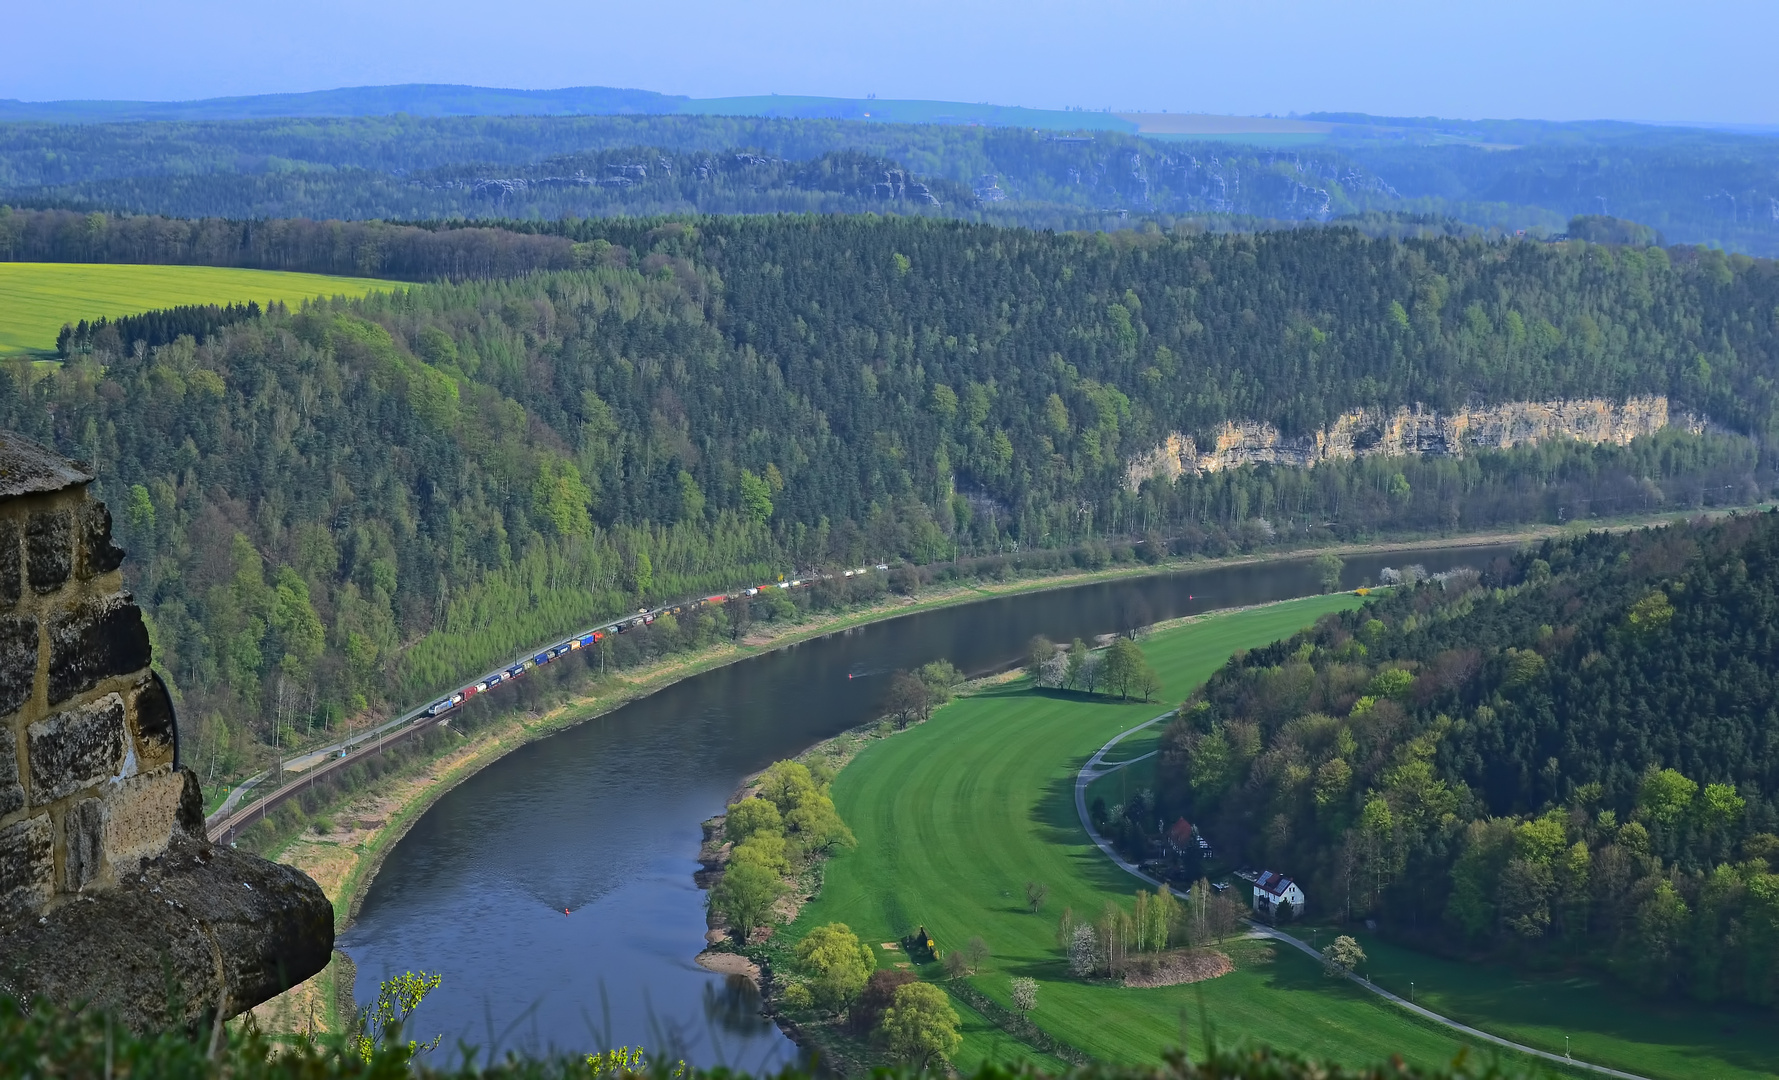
x: 879, y: 994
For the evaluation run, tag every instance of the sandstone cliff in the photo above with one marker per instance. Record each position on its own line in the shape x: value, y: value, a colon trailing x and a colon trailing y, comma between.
x: 1416, y: 430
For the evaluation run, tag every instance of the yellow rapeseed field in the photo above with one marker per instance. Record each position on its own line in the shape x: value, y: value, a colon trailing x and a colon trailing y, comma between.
x: 37, y: 298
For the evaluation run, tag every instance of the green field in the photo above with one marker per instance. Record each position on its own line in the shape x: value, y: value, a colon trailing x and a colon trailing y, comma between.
x: 1606, y: 1023
x: 954, y: 817
x: 37, y: 298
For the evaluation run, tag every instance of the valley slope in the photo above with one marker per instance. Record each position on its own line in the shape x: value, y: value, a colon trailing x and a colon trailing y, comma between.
x: 352, y: 505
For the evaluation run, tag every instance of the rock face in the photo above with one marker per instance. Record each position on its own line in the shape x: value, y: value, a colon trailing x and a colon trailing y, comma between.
x: 1411, y: 431
x: 108, y: 887
x: 199, y: 930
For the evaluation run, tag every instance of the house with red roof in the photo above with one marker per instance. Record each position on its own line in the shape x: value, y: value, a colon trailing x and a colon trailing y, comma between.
x: 1272, y: 890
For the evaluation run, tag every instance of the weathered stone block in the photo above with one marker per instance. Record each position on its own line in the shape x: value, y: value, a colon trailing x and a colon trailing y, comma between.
x: 217, y: 925
x: 76, y: 749
x: 49, y: 549
x: 98, y: 554
x: 27, y: 468
x: 27, y: 868
x: 139, y: 817
x: 155, y: 731
x: 83, y: 844
x: 18, y: 662
x: 12, y: 789
x: 95, y: 640
x: 10, y: 562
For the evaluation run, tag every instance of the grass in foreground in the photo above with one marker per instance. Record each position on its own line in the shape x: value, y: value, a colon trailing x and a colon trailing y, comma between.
x: 954, y: 817
x: 37, y: 298
x: 52, y: 1041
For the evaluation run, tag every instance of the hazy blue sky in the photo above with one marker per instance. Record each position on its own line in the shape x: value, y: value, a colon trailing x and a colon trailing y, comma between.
x: 1680, y: 60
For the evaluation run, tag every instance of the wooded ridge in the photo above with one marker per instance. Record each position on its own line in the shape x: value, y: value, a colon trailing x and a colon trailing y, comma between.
x: 356, y: 503
x: 1569, y: 755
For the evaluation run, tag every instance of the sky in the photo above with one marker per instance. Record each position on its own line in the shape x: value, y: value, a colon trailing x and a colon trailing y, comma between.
x: 1683, y: 60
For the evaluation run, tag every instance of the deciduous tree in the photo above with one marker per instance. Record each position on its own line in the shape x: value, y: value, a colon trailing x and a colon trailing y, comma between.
x: 744, y: 897
x: 837, y: 962
x: 921, y: 1025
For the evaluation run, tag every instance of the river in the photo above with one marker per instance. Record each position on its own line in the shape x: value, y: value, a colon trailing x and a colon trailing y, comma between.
x: 553, y: 890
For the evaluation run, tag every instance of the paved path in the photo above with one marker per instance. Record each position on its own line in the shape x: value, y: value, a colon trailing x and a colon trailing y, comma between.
x: 1096, y: 767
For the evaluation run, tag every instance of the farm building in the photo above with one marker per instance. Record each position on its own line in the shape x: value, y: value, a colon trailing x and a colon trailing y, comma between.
x: 1271, y: 890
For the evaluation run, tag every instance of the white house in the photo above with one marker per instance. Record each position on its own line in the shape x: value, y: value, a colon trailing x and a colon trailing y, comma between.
x: 1271, y: 890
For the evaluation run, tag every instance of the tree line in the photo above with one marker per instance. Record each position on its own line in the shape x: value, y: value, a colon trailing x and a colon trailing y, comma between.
x: 152, y: 329
x: 1565, y: 753
x: 360, y: 248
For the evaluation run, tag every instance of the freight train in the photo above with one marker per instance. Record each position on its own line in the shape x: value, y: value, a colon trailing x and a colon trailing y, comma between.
x: 643, y: 617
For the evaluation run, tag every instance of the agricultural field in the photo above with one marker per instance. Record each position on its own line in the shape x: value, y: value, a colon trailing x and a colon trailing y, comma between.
x: 955, y: 816
x: 36, y: 299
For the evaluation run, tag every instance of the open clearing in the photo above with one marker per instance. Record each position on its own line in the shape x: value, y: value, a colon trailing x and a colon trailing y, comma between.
x: 37, y: 298
x: 954, y: 817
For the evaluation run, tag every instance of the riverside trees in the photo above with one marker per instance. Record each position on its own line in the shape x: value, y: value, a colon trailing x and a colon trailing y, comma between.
x: 772, y: 836
x: 1120, y: 669
x: 838, y: 964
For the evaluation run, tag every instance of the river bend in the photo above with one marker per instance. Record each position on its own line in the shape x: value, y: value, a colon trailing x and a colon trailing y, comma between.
x: 553, y: 890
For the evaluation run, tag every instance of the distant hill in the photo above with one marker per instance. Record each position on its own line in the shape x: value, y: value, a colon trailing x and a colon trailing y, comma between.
x: 415, y: 99
x: 422, y: 151
x: 436, y: 99
x: 448, y: 99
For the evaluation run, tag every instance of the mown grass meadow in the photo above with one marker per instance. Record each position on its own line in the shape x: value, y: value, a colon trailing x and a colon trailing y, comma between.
x: 954, y: 817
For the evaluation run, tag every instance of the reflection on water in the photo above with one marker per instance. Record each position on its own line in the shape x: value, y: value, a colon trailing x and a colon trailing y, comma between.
x: 734, y: 1007
x: 553, y: 890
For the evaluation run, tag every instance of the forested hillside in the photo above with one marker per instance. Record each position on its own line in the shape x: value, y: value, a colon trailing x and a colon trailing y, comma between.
x: 353, y: 504
x: 409, y: 168
x: 1694, y: 186
x: 1571, y: 755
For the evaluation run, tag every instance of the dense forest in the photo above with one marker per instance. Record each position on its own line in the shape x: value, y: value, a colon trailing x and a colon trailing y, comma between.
x: 459, y: 249
x: 1569, y: 756
x: 347, y: 506
x: 1693, y: 186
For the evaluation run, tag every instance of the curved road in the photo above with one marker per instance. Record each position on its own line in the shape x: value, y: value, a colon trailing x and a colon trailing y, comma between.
x: 1096, y: 767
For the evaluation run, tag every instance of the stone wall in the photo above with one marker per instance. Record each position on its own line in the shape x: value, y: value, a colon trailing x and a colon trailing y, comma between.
x: 1416, y: 430
x: 109, y: 890
x: 88, y: 784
